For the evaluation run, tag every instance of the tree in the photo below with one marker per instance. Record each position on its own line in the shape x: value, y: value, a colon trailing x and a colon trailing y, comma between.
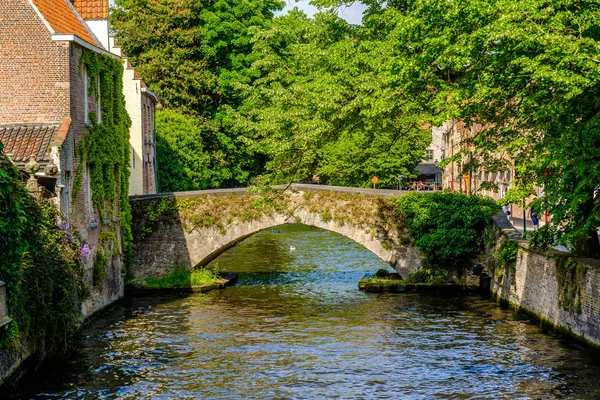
x: 183, y: 163
x: 192, y: 53
x: 525, y: 72
x: 328, y: 102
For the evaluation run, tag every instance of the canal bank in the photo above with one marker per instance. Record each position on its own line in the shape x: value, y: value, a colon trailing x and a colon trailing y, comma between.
x: 560, y: 291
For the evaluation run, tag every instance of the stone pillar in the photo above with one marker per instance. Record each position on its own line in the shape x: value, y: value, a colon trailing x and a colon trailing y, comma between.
x: 4, y: 318
x: 31, y: 168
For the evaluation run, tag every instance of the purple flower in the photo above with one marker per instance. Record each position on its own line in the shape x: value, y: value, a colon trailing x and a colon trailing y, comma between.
x: 85, y: 250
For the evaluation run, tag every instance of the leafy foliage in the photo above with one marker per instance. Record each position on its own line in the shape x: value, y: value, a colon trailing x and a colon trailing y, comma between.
x: 180, y: 153
x: 326, y: 102
x: 41, y: 267
x: 193, y: 53
x: 447, y: 227
x: 105, y: 147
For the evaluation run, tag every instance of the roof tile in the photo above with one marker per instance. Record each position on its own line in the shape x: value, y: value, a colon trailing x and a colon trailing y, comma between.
x: 63, y: 19
x: 24, y: 140
x: 96, y: 9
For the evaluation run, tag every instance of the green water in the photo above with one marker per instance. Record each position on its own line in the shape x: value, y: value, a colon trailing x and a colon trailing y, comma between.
x: 296, y: 327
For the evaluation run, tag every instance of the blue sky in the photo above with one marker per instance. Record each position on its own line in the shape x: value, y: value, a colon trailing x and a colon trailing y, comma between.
x: 352, y: 14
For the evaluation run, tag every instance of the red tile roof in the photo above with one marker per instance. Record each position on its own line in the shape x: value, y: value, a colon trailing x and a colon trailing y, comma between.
x: 24, y: 140
x: 96, y: 9
x: 63, y: 19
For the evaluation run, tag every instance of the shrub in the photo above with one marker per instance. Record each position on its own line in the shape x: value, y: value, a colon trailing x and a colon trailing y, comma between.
x: 447, y: 227
x: 382, y: 272
x: 41, y: 266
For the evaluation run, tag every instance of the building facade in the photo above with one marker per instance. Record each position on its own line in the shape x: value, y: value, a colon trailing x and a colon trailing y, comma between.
x: 141, y: 105
x: 46, y: 102
x: 472, y: 177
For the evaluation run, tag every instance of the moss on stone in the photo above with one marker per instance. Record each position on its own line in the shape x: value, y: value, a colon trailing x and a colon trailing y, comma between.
x: 570, y: 276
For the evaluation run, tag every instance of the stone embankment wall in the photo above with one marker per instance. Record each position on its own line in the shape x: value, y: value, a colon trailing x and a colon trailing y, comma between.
x: 556, y: 288
x: 193, y: 228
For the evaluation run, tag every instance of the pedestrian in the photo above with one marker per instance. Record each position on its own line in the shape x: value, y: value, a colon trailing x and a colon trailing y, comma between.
x: 534, y: 219
x: 506, y: 210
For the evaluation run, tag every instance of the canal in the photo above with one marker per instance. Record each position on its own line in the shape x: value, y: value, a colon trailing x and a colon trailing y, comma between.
x: 296, y: 327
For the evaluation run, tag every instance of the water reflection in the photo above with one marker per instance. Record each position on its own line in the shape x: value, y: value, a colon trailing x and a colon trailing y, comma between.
x: 296, y: 327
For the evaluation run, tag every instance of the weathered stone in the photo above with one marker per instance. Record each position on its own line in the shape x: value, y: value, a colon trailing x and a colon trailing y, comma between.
x: 171, y: 243
x: 534, y: 286
x: 4, y: 318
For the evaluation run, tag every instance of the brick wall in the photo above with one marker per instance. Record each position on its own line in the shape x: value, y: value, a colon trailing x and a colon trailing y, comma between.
x: 148, y: 144
x: 111, y: 289
x: 34, y: 70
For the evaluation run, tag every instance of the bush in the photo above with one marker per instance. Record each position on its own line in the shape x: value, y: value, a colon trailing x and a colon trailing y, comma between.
x: 182, y: 163
x: 41, y: 266
x: 447, y: 227
x: 382, y: 272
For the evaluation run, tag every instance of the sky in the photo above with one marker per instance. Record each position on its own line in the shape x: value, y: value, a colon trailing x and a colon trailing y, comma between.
x: 352, y: 14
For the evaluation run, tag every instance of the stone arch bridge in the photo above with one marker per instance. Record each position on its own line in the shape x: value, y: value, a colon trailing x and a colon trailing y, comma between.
x: 192, y: 228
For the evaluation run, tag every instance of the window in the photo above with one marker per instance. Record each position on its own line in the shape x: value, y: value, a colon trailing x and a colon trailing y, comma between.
x: 429, y: 155
x: 86, y: 104
x: 89, y: 204
x: 98, y: 105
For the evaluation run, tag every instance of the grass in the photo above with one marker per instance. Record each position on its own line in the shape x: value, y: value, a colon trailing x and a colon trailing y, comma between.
x: 181, y: 278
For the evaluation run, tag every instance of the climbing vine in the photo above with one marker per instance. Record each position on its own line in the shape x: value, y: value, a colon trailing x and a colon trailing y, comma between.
x: 570, y: 276
x: 105, y: 147
x: 41, y: 266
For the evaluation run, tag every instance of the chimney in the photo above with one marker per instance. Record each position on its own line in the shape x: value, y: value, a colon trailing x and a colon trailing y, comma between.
x: 95, y: 14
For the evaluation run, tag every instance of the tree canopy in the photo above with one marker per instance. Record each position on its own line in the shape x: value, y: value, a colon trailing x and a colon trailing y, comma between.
x: 293, y: 96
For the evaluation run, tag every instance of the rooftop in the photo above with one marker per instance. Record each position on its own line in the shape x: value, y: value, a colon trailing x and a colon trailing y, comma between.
x: 62, y: 18
x: 24, y: 140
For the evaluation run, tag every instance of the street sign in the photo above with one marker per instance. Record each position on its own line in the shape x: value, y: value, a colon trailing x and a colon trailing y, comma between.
x: 374, y: 180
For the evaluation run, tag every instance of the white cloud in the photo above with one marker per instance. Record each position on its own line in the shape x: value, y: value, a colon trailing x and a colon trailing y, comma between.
x: 352, y: 14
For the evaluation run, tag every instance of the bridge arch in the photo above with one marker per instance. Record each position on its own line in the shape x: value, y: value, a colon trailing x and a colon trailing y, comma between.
x: 186, y: 234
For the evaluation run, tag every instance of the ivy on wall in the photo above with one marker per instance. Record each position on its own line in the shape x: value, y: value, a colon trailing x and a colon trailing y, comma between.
x: 105, y: 147
x: 41, y: 266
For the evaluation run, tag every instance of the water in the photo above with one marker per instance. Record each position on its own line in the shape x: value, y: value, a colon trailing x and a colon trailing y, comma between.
x: 297, y: 327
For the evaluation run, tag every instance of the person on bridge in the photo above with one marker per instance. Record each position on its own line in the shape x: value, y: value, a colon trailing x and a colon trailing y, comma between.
x: 534, y: 219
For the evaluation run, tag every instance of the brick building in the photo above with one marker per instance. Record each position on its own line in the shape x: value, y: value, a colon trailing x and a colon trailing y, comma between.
x: 487, y: 182
x: 141, y: 104
x: 45, y: 106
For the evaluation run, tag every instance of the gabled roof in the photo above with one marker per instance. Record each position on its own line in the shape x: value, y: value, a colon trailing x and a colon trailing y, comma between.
x: 62, y: 18
x: 24, y: 140
x: 92, y: 9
